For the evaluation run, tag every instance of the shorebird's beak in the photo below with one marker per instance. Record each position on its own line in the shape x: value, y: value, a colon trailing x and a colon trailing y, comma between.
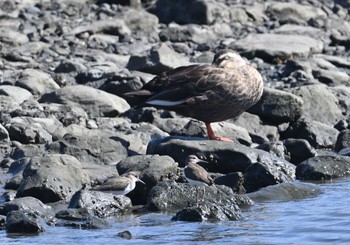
x: 138, y: 180
x: 201, y: 161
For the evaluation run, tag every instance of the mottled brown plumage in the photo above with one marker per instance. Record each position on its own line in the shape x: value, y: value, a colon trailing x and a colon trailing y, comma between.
x: 209, y: 93
x: 196, y: 174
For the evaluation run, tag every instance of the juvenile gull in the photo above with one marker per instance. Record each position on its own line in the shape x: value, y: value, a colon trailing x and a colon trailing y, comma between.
x: 120, y: 185
x: 209, y: 93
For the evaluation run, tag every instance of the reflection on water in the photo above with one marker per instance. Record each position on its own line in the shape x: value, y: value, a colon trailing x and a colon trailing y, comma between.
x: 320, y: 219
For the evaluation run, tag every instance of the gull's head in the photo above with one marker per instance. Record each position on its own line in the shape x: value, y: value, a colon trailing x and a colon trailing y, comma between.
x: 228, y: 59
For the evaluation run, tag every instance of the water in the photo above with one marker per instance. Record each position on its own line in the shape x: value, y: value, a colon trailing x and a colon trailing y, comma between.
x: 322, y: 219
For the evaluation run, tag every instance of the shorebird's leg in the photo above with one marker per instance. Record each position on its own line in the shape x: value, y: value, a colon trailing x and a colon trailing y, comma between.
x: 212, y: 136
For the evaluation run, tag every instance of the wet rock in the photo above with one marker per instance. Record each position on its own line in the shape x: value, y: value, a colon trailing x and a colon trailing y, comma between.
x: 4, y: 135
x: 159, y: 59
x: 326, y: 110
x: 125, y: 235
x: 28, y: 203
x: 24, y: 221
x: 323, y: 168
x: 343, y: 140
x: 208, y: 211
x: 52, y: 178
x: 81, y: 218
x: 32, y: 130
x: 268, y: 171
x: 270, y: 46
x: 319, y: 135
x: 95, y: 102
x: 36, y: 81
x: 2, y: 222
x: 299, y: 150
x: 286, y: 192
x: 276, y: 106
x: 233, y: 180
x: 100, y: 203
x: 92, y: 147
x: 166, y: 196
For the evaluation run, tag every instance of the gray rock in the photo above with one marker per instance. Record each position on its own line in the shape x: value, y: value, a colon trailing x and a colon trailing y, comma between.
x: 32, y: 130
x: 233, y: 180
x: 326, y: 110
x: 323, y: 168
x: 292, y: 12
x: 298, y: 150
x: 95, y: 102
x: 286, y: 192
x: 276, y: 106
x: 16, y: 93
x: 180, y: 126
x: 275, y: 148
x: 114, y: 27
x: 100, y: 203
x: 302, y: 30
x: 232, y: 131
x: 195, y: 33
x: 28, y: 203
x: 343, y: 3
x: 167, y: 196
x: 159, y: 59
x: 36, y: 81
x: 26, y: 52
x: 343, y: 140
x: 52, y: 178
x: 12, y: 37
x: 24, y: 221
x: 342, y: 93
x: 140, y: 21
x: 74, y: 214
x: 318, y: 134
x: 270, y: 46
x: 4, y: 135
x: 90, y: 146
x: 259, y: 132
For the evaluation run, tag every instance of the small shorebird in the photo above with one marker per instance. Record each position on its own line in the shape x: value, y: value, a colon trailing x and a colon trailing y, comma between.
x: 120, y: 185
x: 209, y: 93
x: 196, y: 174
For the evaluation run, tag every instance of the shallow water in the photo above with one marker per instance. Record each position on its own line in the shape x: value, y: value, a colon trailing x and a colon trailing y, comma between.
x: 322, y: 219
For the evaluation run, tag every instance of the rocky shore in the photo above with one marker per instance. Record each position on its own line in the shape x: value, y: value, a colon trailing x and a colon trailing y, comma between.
x: 66, y: 126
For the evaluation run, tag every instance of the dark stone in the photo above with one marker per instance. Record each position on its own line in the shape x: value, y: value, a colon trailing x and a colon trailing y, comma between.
x: 74, y: 214
x: 267, y: 172
x: 323, y: 168
x: 167, y: 196
x: 125, y: 235
x: 275, y: 148
x: 209, y: 211
x: 24, y: 221
x: 343, y: 140
x: 233, y: 180
x: 298, y: 150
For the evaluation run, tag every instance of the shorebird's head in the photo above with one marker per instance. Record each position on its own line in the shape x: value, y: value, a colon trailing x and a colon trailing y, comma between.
x: 194, y: 159
x: 133, y: 175
x: 228, y: 59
